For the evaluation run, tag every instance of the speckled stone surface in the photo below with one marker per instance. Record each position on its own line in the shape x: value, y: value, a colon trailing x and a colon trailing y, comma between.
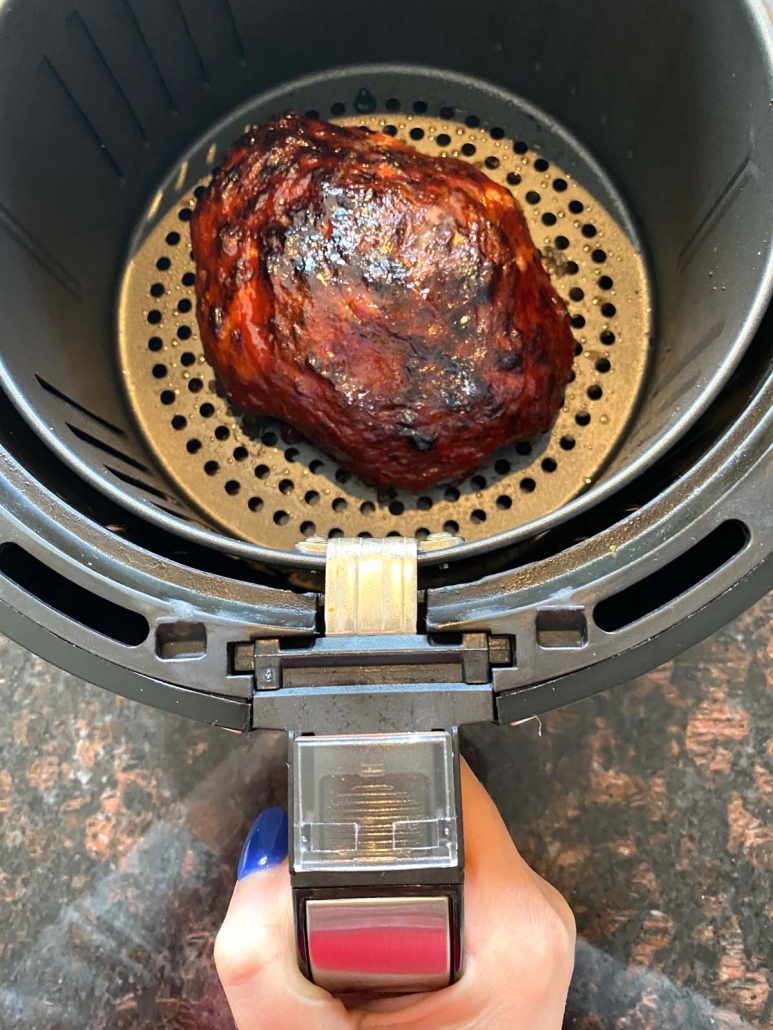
x: 649, y: 807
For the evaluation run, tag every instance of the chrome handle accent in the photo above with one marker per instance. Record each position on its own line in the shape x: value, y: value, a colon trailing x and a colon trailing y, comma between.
x: 398, y: 944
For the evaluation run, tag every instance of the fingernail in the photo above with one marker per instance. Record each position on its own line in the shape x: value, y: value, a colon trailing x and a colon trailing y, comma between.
x: 266, y: 844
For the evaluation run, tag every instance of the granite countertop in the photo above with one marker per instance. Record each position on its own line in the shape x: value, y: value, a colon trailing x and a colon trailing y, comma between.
x: 648, y: 806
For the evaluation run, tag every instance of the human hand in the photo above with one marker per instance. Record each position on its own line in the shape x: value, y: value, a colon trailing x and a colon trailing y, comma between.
x: 519, y: 940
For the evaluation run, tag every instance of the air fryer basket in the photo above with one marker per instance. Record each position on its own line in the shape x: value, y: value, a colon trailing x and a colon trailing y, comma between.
x: 133, y: 102
x: 124, y: 560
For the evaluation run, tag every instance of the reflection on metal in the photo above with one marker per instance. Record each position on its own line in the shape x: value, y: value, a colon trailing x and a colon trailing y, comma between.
x: 379, y: 944
x: 317, y: 545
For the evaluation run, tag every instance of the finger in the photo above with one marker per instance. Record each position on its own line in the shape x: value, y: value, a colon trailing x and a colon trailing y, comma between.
x: 558, y: 902
x: 492, y: 859
x: 519, y: 939
x: 255, y: 948
x: 520, y: 930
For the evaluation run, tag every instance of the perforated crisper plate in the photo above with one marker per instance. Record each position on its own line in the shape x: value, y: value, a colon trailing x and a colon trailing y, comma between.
x: 257, y: 480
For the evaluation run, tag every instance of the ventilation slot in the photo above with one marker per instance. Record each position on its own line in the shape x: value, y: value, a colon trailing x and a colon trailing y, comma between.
x: 102, y: 446
x: 667, y: 584
x: 49, y: 388
x: 70, y: 599
x: 131, y: 481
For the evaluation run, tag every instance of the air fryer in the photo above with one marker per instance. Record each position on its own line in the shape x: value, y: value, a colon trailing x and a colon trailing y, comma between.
x: 156, y: 542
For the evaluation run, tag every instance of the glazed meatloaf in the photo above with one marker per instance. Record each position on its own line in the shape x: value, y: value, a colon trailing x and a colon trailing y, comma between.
x: 389, y: 305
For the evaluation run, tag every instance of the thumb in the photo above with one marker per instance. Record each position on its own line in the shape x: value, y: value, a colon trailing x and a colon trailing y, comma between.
x: 255, y: 948
x: 519, y: 939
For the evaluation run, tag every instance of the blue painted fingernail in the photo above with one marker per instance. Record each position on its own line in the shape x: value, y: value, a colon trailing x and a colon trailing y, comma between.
x: 266, y: 844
